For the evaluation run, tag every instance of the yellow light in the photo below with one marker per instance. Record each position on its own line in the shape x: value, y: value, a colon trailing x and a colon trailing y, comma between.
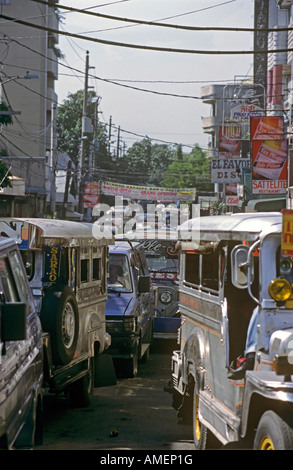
x: 280, y: 289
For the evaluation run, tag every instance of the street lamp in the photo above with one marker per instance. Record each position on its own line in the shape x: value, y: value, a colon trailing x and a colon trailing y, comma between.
x: 27, y: 76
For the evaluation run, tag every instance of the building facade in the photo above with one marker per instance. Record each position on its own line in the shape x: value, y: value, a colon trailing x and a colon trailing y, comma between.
x: 29, y: 69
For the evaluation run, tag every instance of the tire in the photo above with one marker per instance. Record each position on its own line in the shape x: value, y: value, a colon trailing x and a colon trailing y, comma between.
x: 273, y: 433
x: 199, y: 430
x: 81, y: 391
x: 59, y: 317
x: 130, y: 366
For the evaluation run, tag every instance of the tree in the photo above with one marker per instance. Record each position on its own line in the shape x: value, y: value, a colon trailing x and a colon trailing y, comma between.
x: 69, y: 127
x: 189, y: 171
x: 4, y: 173
x: 146, y: 163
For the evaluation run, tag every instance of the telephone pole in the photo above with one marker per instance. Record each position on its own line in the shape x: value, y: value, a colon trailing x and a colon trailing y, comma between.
x: 84, y: 133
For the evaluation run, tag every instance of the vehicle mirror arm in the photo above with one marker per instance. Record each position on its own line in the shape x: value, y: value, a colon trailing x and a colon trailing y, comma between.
x: 248, y: 263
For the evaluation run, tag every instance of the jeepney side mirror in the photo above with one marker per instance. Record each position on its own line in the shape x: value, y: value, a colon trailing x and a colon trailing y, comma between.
x: 13, y: 321
x: 240, y: 265
x: 144, y: 284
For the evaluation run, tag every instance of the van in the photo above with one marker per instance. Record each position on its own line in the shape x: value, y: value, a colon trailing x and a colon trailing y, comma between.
x: 21, y: 355
x: 232, y: 373
x: 129, y: 307
x: 66, y: 267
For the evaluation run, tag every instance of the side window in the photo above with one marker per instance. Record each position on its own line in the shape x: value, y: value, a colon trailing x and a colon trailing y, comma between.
x: 96, y: 264
x: 210, y: 271
x: 7, y: 281
x: 192, y: 271
x: 20, y: 279
x: 84, y: 265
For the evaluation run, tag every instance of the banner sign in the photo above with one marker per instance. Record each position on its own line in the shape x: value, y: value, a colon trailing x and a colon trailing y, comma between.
x: 147, y: 192
x: 228, y: 170
x: 269, y: 166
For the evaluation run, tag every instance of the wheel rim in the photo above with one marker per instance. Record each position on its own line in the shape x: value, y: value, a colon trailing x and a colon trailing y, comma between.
x: 197, y: 426
x: 68, y: 325
x: 266, y: 444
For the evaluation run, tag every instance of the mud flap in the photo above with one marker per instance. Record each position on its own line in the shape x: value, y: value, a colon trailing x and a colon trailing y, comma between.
x: 105, y: 374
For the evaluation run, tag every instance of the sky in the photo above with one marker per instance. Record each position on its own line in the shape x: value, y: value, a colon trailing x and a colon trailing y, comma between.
x: 148, y: 92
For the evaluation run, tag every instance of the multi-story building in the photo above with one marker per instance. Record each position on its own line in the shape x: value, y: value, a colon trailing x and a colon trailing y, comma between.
x: 274, y: 72
x: 27, y: 146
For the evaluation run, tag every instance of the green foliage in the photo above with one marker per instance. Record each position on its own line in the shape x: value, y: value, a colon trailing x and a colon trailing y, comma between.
x: 69, y: 127
x: 189, y: 171
x: 146, y: 163
x: 5, y: 119
x: 4, y: 173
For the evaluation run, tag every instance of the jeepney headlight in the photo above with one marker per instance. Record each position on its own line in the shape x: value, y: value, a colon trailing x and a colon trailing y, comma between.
x: 280, y: 289
x: 166, y: 297
x: 130, y: 324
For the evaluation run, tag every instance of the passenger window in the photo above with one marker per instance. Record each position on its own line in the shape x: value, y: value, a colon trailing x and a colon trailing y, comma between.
x: 96, y: 269
x: 210, y: 271
x: 84, y: 270
x: 192, y: 268
x: 7, y: 280
x: 20, y: 279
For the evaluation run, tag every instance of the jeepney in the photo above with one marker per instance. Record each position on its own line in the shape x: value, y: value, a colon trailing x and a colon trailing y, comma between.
x: 67, y: 270
x: 162, y: 257
x: 238, y: 268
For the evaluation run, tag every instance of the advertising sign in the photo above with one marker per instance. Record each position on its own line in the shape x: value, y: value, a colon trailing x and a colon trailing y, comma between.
x: 229, y: 141
x: 228, y: 170
x: 147, y: 192
x: 267, y: 128
x: 269, y: 166
x: 287, y: 232
x: 91, y: 194
x: 232, y: 197
x: 241, y: 101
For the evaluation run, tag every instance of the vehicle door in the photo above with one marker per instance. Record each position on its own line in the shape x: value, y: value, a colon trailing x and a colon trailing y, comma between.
x: 17, y: 366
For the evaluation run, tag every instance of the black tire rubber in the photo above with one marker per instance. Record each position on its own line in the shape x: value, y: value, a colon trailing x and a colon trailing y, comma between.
x: 53, y: 307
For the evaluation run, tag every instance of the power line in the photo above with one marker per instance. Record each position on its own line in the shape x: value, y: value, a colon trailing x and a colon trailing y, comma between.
x: 164, y: 25
x: 140, y: 46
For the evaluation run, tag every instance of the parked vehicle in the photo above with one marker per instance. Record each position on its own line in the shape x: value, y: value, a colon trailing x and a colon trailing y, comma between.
x: 240, y: 270
x: 66, y: 267
x: 21, y: 355
x: 162, y: 258
x: 129, y: 308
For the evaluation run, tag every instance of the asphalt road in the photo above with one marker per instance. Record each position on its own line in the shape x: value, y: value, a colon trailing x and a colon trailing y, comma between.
x: 134, y: 414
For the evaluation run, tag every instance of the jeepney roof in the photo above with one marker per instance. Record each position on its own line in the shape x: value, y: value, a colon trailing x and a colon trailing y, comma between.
x: 245, y: 226
x: 123, y: 246
x: 149, y: 234
x: 53, y: 229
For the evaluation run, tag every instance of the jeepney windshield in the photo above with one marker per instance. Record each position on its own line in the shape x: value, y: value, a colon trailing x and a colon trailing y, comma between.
x: 119, y: 274
x: 162, y: 264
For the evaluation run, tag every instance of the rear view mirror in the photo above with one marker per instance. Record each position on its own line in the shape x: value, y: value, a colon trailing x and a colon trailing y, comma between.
x: 13, y: 321
x: 144, y: 284
x: 239, y: 266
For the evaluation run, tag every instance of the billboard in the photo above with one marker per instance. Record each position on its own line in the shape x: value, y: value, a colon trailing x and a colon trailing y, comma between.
x: 228, y: 170
x: 269, y: 166
x: 229, y: 141
x: 267, y: 128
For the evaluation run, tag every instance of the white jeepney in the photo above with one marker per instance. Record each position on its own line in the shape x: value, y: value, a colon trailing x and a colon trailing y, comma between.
x: 239, y: 268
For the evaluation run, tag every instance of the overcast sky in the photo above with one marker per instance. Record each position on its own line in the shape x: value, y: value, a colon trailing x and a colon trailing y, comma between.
x: 164, y: 118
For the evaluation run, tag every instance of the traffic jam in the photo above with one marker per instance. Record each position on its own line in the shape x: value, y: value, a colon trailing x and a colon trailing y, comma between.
x: 75, y: 297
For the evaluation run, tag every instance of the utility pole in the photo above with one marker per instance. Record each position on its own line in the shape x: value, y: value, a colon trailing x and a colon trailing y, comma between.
x: 83, y: 134
x: 53, y: 160
x: 118, y: 142
x: 109, y: 136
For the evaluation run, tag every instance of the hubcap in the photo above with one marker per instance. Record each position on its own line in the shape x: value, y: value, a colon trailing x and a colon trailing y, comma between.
x: 68, y: 325
x: 266, y: 444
